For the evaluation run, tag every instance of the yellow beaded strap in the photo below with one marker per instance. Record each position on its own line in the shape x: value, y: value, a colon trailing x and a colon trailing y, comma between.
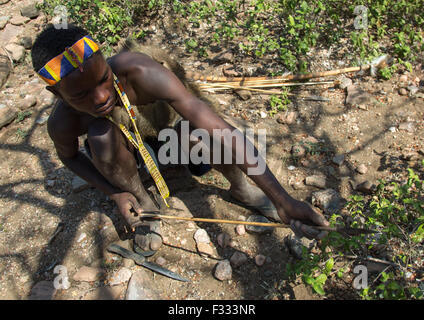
x: 151, y: 166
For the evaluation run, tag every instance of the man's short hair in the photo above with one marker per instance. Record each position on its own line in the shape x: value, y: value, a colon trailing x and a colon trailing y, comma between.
x: 52, y: 42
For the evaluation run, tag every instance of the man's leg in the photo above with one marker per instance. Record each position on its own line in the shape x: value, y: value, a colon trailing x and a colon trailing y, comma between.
x: 240, y: 189
x: 114, y: 158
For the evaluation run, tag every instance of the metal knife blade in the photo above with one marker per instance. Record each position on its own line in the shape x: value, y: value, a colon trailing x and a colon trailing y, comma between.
x: 140, y: 260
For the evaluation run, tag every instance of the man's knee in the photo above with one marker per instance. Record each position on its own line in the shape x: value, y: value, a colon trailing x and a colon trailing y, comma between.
x: 103, y: 142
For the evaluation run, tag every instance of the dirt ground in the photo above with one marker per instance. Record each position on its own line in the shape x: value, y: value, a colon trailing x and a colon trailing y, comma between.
x: 36, y: 192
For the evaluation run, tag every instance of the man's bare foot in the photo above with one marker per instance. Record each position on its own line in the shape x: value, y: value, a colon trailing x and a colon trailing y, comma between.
x: 254, y: 197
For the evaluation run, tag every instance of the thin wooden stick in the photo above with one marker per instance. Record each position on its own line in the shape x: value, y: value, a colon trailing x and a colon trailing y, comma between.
x: 261, y: 224
x: 268, y: 85
x: 346, y: 230
x: 191, y: 76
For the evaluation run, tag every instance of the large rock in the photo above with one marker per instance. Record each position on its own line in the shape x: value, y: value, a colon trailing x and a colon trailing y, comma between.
x: 328, y: 200
x: 141, y: 287
x: 30, y: 11
x: 16, y: 51
x: 43, y: 290
x: 7, y: 115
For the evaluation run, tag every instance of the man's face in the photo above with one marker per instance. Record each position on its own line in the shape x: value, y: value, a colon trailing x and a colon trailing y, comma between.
x: 92, y: 90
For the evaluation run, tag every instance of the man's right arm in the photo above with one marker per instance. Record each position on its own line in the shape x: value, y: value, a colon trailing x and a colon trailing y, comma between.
x: 64, y: 134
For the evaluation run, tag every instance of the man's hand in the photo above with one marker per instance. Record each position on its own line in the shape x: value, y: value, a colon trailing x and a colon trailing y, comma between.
x: 301, y: 216
x: 125, y: 202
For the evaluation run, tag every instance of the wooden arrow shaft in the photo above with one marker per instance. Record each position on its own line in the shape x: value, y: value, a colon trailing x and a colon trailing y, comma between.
x: 153, y: 214
x: 251, y: 223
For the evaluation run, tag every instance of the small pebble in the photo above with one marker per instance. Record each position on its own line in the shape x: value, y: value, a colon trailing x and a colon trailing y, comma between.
x: 238, y: 258
x: 223, y: 239
x: 260, y: 260
x: 223, y: 270
x: 362, y: 169
x: 403, y: 92
x: 240, y: 230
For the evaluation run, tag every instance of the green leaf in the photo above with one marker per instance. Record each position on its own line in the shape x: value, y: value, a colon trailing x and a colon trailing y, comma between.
x: 329, y: 265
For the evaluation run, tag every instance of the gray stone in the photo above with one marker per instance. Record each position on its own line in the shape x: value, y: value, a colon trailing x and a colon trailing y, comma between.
x: 30, y: 11
x: 258, y: 229
x: 19, y: 20
x: 16, y: 51
x: 316, y: 181
x: 43, y: 290
x: 365, y: 187
x: 201, y: 236
x: 238, y: 258
x: 120, y: 276
x: 88, y: 274
x: 362, y: 169
x: 79, y: 184
x: 356, y: 96
x: 4, y: 1
x: 338, y: 159
x: 223, y: 270
x: 328, y: 200
x: 141, y: 287
x: 3, y: 21
x: 7, y: 115
x: 243, y: 94
x: 26, y: 42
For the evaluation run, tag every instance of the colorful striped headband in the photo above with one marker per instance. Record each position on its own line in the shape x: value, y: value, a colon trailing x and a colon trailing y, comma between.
x: 72, y: 58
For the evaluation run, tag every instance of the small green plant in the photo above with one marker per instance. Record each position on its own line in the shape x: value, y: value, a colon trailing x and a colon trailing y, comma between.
x: 21, y: 133
x: 397, y: 211
x: 279, y: 102
x: 22, y: 115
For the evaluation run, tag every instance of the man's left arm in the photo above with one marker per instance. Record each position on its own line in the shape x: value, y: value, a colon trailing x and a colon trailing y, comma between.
x: 166, y: 86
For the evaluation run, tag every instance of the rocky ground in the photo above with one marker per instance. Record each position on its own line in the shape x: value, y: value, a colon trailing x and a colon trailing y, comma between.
x: 52, y: 222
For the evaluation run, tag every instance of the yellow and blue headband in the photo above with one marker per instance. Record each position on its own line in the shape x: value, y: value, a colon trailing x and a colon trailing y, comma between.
x: 72, y: 58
